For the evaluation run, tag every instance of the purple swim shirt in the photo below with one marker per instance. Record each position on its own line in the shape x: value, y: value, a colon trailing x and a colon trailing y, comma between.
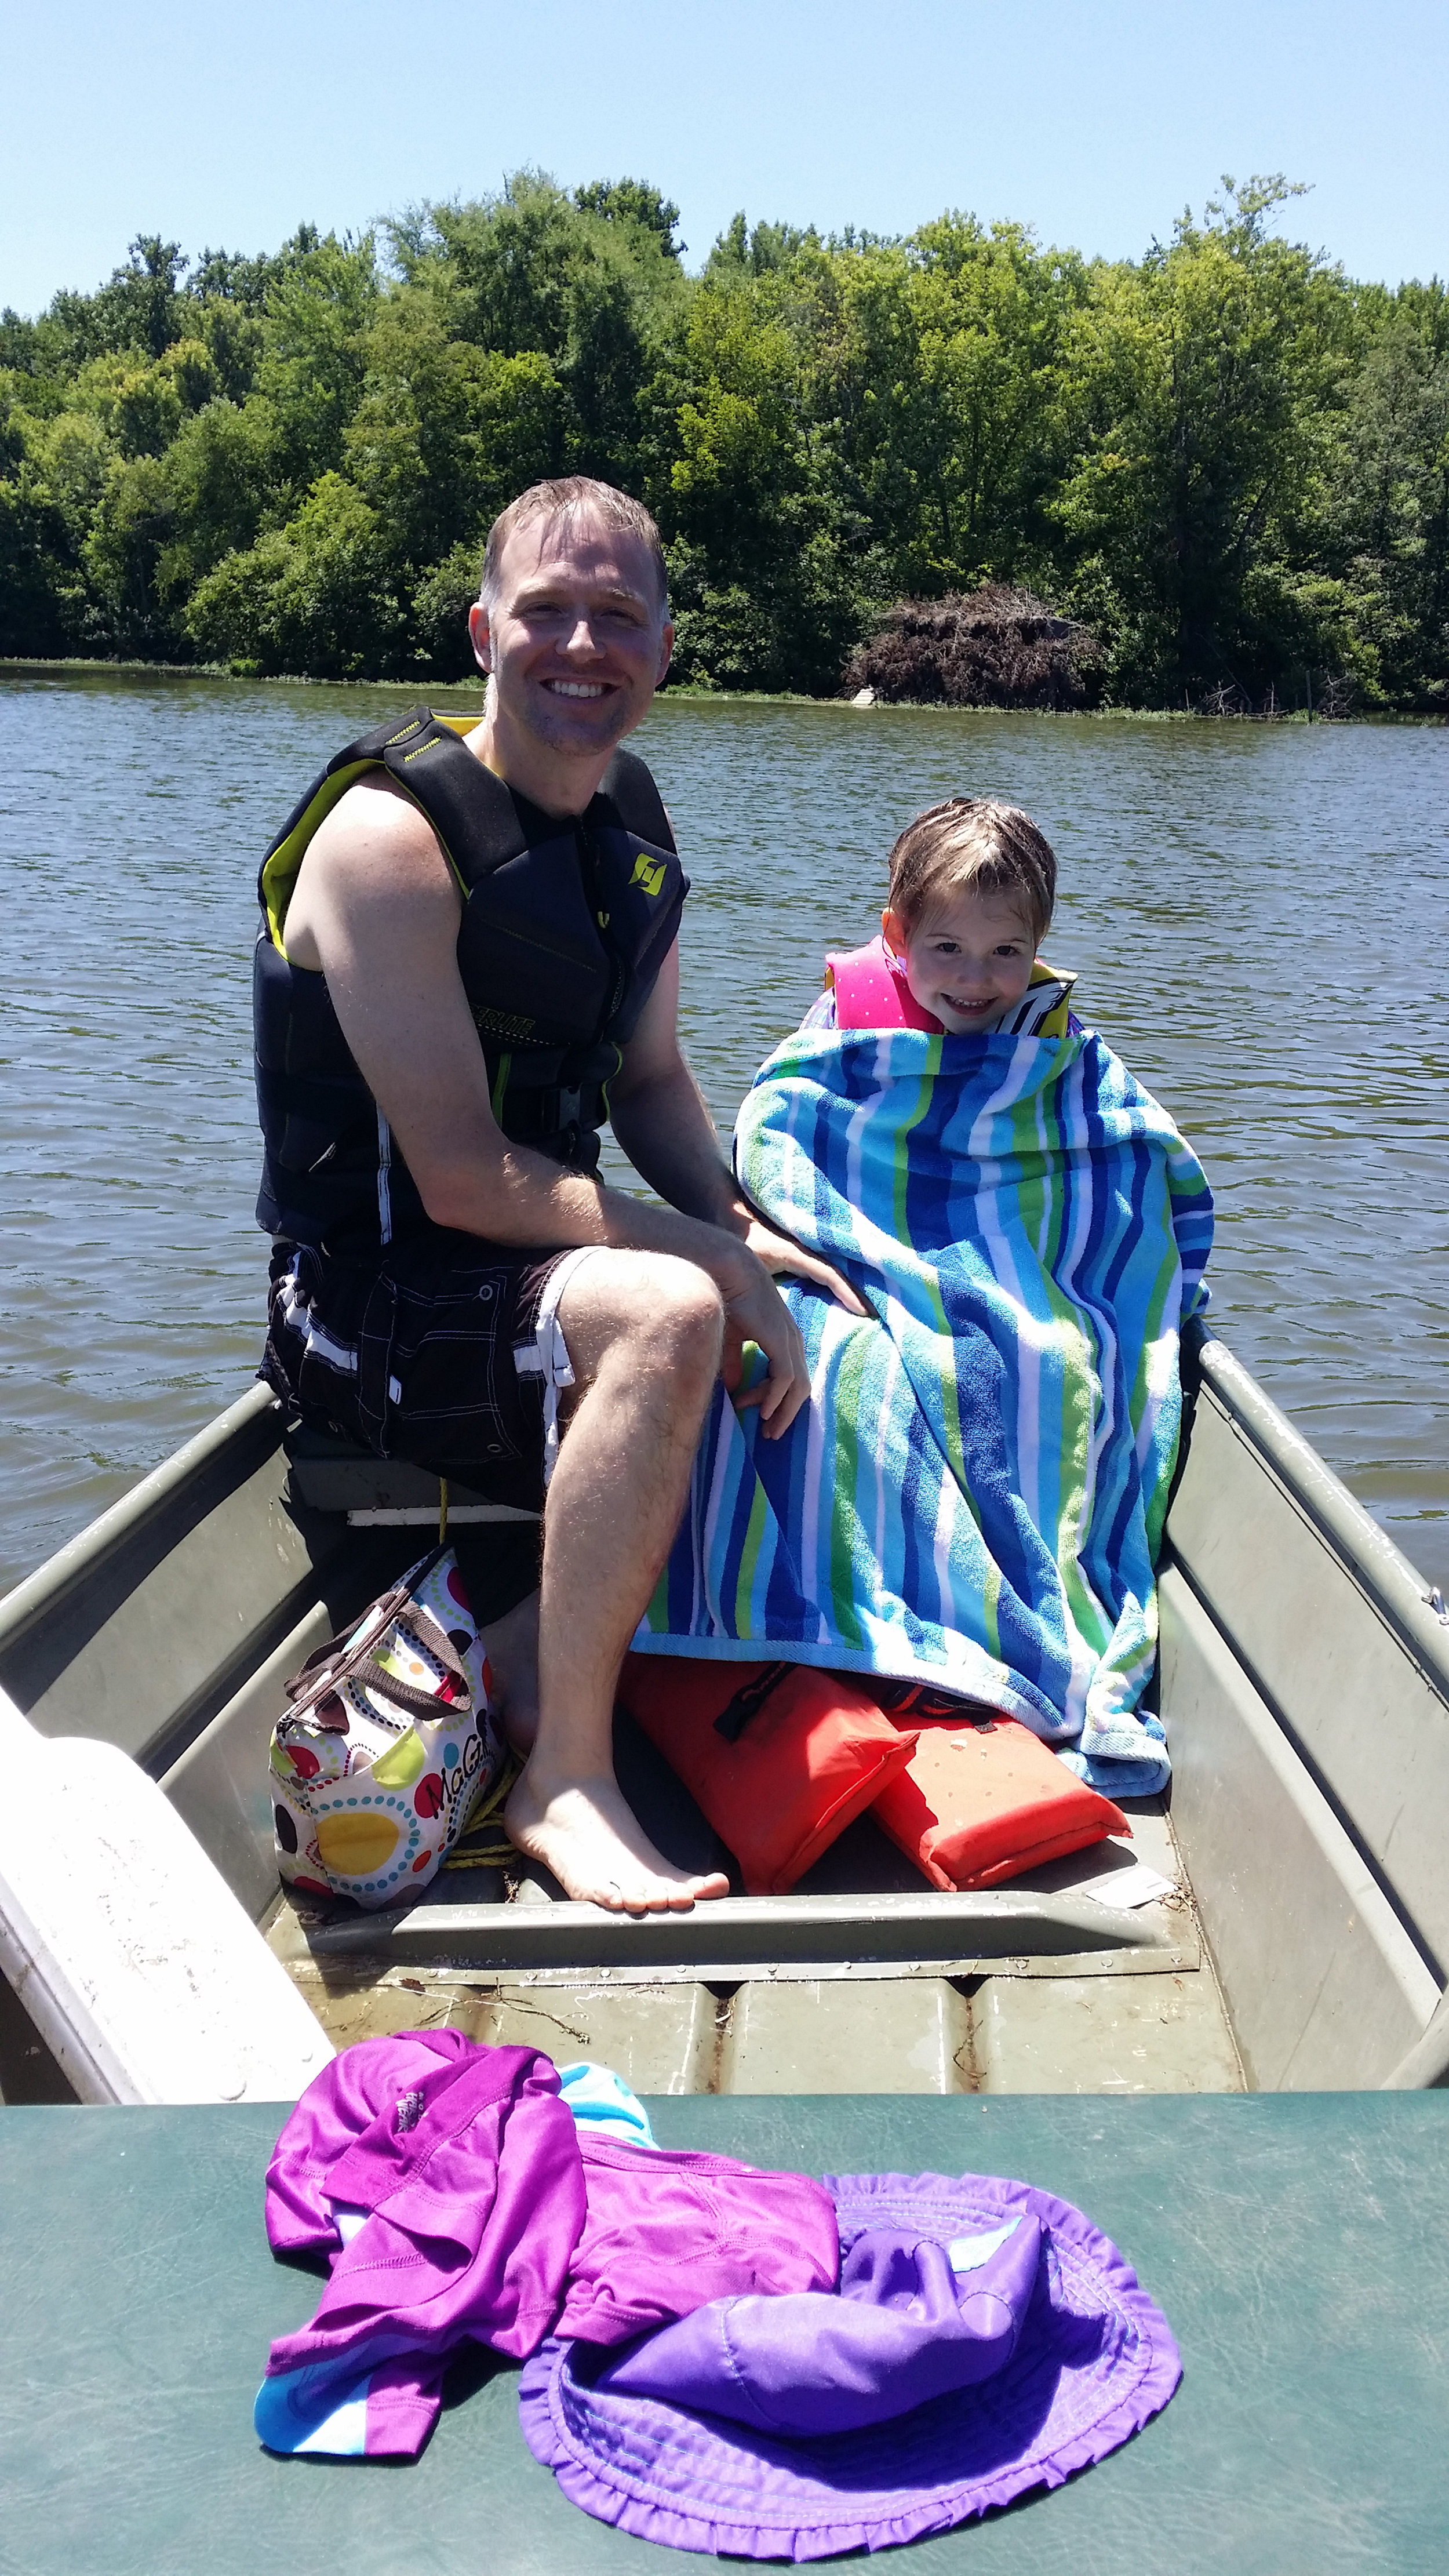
x: 457, y: 2199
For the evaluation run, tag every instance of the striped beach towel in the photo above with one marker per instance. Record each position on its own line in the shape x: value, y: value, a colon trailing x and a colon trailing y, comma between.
x: 975, y: 1494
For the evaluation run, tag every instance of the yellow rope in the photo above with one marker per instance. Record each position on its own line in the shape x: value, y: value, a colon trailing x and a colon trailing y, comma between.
x: 499, y: 1791
x: 492, y: 1856
x: 466, y: 1853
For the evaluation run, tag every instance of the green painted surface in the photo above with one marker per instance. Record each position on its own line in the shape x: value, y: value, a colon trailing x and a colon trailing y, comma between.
x: 1298, y: 2244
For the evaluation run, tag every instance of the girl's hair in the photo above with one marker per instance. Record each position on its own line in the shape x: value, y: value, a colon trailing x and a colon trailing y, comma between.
x: 973, y: 841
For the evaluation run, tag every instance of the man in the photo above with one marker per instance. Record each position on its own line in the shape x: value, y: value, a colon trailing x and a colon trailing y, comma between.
x: 469, y: 959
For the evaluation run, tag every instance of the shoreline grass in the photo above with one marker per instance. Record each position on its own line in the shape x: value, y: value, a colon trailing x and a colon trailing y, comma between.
x: 689, y: 693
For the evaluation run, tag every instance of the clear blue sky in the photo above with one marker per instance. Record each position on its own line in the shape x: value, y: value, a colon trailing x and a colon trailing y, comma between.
x: 228, y: 126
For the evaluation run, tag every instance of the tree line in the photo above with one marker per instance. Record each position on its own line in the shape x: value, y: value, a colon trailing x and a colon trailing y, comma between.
x: 1227, y: 459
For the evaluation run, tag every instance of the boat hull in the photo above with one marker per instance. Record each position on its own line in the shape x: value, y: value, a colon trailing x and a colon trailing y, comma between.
x: 1304, y: 1683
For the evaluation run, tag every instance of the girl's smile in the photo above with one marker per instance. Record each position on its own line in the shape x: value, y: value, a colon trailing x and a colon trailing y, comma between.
x: 968, y: 960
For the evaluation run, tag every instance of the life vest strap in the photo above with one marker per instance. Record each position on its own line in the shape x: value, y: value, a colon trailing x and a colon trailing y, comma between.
x: 871, y: 992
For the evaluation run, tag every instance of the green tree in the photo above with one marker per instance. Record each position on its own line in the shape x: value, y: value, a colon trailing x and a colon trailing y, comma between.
x: 764, y: 586
x: 39, y: 589
x: 633, y: 201
x: 141, y: 308
x: 1226, y: 457
x: 317, y: 595
x: 317, y: 315
x: 592, y: 287
x: 134, y: 524
x: 230, y: 293
x: 445, y: 433
x: 941, y: 380
x: 1205, y: 382
x: 743, y: 250
x: 219, y: 471
x: 1387, y: 538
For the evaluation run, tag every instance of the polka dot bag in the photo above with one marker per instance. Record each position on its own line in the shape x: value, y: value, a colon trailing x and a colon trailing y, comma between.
x: 388, y: 1745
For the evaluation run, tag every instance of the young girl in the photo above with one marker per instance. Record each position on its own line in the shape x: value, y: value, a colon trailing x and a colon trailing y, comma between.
x: 972, y: 889
x: 974, y: 1497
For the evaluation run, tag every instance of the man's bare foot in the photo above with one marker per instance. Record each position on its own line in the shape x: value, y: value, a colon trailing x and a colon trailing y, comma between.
x: 588, y: 1835
x: 511, y: 1646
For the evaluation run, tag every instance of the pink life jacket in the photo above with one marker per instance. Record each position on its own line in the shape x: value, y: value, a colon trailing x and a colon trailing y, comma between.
x: 871, y: 992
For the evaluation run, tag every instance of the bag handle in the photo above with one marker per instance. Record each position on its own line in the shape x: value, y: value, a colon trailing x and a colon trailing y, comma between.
x: 341, y: 1657
x: 418, y: 1703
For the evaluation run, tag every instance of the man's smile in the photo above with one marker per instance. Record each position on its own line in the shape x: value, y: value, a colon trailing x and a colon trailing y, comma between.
x: 575, y: 688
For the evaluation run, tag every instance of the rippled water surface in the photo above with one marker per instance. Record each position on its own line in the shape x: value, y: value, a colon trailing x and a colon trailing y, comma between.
x: 1257, y: 915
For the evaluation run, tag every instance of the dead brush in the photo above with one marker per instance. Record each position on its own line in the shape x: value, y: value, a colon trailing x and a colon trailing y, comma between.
x: 994, y: 647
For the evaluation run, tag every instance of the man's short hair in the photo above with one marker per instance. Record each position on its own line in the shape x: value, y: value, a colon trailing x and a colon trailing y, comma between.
x: 572, y: 496
x: 973, y: 841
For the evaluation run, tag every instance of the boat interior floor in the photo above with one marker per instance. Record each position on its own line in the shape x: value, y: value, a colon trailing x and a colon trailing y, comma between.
x: 495, y: 1952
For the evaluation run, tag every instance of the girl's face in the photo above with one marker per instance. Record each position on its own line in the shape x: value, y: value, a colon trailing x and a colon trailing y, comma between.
x: 968, y: 959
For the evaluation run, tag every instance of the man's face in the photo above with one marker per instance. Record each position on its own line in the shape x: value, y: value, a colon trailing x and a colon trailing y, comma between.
x: 577, y: 640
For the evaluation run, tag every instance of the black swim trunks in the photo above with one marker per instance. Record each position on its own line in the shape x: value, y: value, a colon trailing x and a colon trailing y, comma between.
x: 432, y: 1354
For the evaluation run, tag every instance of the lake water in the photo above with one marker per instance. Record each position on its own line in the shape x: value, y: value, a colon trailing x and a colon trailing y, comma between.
x: 1257, y: 914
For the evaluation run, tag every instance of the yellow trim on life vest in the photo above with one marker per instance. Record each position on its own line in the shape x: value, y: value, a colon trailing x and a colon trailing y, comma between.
x: 279, y: 876
x: 604, y: 1085
x: 1055, y: 1023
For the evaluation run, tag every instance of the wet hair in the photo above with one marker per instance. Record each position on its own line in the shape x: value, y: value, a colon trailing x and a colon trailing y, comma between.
x: 972, y: 841
x: 572, y: 496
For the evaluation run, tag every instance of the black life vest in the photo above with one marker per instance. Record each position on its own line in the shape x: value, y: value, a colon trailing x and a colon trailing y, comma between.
x: 565, y: 927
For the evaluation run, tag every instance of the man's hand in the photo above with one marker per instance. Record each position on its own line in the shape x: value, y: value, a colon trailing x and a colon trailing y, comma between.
x: 778, y: 1254
x: 755, y: 1311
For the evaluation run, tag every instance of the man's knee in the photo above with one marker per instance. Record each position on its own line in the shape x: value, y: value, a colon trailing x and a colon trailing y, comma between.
x: 672, y: 1315
x: 688, y: 1316
x: 667, y: 1313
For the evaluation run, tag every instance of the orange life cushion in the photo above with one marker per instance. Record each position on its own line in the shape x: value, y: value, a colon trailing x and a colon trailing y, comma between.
x: 780, y: 1757
x: 979, y: 1803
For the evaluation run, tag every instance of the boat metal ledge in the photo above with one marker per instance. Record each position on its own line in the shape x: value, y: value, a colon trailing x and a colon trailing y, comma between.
x: 739, y: 1937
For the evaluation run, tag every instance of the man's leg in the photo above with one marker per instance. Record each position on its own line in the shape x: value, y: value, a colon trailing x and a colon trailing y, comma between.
x: 644, y: 1334
x: 511, y: 1646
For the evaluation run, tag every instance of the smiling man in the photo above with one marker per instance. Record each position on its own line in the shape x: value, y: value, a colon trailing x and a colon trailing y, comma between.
x: 468, y: 962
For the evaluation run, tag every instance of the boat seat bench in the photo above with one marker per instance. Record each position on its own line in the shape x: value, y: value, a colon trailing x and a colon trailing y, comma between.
x: 1296, y: 2243
x: 327, y: 1474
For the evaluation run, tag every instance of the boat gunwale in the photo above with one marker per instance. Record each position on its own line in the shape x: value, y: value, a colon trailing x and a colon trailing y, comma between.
x: 1388, y: 1580
x: 40, y: 1593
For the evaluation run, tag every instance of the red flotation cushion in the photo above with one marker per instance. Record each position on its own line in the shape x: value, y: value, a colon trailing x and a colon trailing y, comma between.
x: 980, y: 1802
x: 780, y: 1757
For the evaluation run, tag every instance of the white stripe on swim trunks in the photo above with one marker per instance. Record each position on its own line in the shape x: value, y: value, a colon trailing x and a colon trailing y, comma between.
x: 297, y: 1317
x: 547, y: 1355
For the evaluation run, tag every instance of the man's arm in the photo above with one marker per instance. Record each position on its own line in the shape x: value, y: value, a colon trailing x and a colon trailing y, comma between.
x: 658, y: 1114
x: 659, y: 1117
x: 376, y: 910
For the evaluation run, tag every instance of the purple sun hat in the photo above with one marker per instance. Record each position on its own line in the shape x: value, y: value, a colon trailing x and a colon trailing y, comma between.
x: 1047, y: 2356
